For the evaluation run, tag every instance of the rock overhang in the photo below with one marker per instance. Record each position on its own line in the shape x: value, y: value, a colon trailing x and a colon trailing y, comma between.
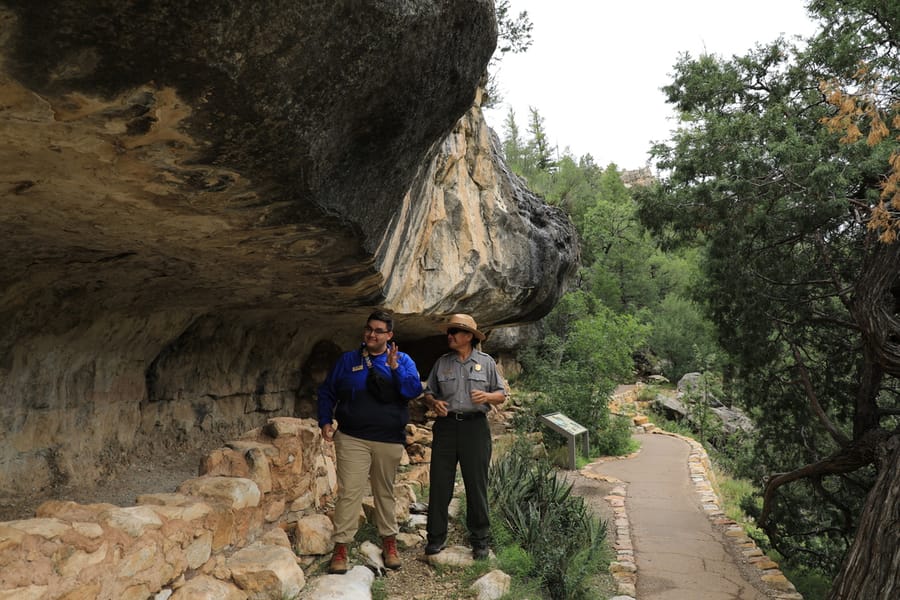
x: 218, y: 156
x: 201, y: 203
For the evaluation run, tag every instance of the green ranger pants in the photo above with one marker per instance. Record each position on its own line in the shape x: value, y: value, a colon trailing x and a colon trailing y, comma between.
x: 463, y: 439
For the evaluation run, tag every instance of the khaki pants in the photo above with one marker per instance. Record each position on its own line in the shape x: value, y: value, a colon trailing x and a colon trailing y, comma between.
x: 361, y: 462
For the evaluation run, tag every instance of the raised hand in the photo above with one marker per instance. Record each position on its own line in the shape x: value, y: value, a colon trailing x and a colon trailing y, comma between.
x: 392, y: 351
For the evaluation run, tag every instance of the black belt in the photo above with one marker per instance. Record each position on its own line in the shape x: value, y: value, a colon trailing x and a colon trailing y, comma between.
x: 464, y: 416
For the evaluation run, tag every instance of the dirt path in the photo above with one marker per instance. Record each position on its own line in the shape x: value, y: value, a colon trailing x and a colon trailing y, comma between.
x: 679, y: 554
x: 139, y: 473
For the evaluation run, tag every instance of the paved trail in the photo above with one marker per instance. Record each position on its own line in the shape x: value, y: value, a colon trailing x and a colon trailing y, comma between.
x: 679, y: 554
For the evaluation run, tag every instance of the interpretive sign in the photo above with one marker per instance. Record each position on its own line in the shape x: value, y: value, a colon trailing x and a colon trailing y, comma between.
x: 571, y: 430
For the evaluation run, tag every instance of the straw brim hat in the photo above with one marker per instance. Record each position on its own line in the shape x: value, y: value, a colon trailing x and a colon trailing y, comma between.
x: 464, y: 322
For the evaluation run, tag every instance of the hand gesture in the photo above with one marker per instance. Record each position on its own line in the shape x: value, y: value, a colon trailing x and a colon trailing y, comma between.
x: 392, y: 359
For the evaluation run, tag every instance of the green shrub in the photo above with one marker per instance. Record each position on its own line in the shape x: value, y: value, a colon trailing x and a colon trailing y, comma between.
x: 610, y: 435
x: 519, y: 589
x: 515, y: 561
x: 613, y: 440
x: 584, y: 350
x: 813, y: 584
x: 537, y: 510
x: 647, y: 394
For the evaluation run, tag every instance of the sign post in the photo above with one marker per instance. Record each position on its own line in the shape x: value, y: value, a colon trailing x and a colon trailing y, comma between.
x: 569, y: 428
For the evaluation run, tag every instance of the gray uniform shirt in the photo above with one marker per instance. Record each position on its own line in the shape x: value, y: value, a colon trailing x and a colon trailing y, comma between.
x: 453, y: 381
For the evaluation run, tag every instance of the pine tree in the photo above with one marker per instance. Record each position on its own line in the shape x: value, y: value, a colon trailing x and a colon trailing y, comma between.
x: 539, y: 146
x: 512, y: 144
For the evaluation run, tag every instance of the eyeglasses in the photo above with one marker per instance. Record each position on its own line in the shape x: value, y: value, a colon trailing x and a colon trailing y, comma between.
x: 370, y: 331
x: 454, y: 331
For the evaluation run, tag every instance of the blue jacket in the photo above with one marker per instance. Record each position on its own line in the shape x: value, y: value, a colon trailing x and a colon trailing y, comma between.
x: 345, y: 396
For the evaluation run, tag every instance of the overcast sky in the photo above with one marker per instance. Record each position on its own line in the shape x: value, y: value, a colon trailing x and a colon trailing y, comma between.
x: 595, y: 68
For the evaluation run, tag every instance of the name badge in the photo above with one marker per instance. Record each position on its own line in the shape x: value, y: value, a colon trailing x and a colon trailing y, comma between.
x: 357, y: 368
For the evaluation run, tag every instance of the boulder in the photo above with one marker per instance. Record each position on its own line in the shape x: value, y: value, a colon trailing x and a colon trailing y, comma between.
x: 730, y: 418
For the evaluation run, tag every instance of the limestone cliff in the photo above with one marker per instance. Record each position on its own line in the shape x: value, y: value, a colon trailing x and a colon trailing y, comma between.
x: 201, y: 201
x: 470, y: 232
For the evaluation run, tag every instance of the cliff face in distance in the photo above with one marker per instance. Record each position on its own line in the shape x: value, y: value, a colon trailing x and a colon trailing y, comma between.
x: 202, y: 201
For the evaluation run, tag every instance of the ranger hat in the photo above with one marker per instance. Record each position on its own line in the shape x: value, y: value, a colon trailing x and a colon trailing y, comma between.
x: 464, y: 322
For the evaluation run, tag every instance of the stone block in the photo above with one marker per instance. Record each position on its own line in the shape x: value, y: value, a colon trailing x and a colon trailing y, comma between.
x: 778, y: 581
x: 622, y: 567
x: 288, y: 427
x: 355, y: 584
x: 78, y: 560
x: 91, y: 591
x: 199, y: 550
x: 133, y: 520
x: 204, y: 587
x: 265, y: 572
x: 235, y: 492
x: 313, y: 535
x: 47, y: 528
x: 491, y: 586
x: 259, y: 470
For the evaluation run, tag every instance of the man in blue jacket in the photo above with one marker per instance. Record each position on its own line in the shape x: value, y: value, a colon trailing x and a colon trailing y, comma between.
x: 367, y: 392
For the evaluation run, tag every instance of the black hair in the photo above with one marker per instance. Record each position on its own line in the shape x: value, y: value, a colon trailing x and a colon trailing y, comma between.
x: 380, y: 315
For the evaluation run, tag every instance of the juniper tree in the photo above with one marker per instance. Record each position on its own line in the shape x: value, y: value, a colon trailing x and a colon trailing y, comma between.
x: 802, y: 283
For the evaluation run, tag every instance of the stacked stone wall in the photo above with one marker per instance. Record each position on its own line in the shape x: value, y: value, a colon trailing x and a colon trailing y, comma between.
x: 233, y: 532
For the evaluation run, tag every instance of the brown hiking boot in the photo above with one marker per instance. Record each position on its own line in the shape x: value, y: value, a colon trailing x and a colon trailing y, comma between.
x: 338, y: 564
x: 389, y: 552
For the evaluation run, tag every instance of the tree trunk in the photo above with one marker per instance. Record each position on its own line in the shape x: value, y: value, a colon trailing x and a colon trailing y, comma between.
x: 871, y: 569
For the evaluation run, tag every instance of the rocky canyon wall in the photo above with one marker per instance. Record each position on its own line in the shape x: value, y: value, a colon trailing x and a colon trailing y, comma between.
x: 202, y: 201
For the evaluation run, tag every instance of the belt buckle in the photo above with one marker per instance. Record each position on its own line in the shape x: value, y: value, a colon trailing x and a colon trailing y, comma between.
x: 459, y: 416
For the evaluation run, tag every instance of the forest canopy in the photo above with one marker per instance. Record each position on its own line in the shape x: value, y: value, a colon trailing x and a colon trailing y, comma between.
x: 786, y: 166
x: 766, y: 250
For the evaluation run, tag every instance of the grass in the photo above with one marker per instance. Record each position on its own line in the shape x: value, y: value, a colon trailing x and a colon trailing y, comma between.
x: 812, y: 584
x: 520, y: 565
x: 378, y: 589
x: 731, y: 494
x: 582, y: 461
x: 519, y: 589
